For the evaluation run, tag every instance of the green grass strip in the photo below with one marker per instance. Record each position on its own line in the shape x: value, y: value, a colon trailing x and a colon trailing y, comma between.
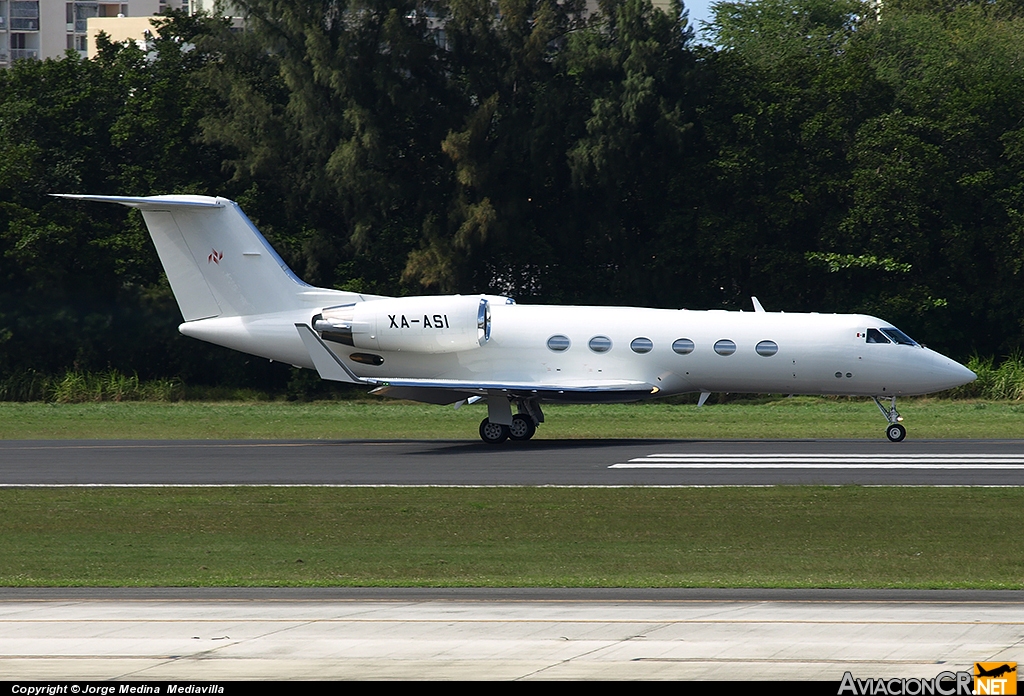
x: 801, y: 417
x: 500, y: 537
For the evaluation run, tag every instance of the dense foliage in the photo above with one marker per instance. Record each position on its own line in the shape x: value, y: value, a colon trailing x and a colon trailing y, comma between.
x: 823, y: 155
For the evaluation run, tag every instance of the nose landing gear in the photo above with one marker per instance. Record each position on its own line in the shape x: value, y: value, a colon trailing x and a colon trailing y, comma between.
x: 895, y: 430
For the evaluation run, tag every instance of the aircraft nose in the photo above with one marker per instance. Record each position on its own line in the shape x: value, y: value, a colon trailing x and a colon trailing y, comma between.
x: 966, y: 375
x: 949, y: 373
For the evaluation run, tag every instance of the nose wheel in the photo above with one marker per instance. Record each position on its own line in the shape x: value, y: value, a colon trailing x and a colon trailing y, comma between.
x: 895, y: 430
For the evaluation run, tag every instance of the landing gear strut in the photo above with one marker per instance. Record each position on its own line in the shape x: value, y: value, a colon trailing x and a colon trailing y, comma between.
x: 895, y: 430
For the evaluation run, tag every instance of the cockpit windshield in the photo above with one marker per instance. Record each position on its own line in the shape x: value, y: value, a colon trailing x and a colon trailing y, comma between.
x: 898, y: 336
x: 889, y: 335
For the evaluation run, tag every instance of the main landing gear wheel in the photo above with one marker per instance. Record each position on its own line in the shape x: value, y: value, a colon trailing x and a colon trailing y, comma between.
x: 895, y: 432
x: 522, y: 427
x: 493, y: 433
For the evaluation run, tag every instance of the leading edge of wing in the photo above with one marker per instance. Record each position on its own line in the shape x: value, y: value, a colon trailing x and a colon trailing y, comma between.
x: 330, y: 367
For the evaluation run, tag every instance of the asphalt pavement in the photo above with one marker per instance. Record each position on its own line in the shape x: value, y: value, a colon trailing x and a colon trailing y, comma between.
x: 538, y: 462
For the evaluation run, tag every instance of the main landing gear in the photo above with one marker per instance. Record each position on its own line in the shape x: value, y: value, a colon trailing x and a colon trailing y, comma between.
x: 895, y: 430
x: 523, y: 427
x: 493, y: 433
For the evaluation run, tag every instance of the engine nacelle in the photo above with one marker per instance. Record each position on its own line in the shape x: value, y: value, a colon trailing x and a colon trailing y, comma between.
x: 442, y: 324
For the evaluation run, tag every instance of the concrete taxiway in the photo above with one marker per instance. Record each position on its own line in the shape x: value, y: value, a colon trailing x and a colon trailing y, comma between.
x: 539, y: 462
x: 502, y: 634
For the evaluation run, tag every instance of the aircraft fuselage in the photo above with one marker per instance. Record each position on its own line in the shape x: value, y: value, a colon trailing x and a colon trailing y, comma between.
x: 799, y: 353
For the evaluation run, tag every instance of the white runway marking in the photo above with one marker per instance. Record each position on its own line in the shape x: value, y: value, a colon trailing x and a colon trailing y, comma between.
x: 825, y: 461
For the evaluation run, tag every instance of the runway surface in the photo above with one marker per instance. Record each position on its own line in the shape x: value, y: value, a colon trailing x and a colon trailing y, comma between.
x: 540, y: 462
x: 502, y: 634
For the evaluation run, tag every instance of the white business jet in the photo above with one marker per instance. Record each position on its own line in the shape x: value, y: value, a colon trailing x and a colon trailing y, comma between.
x: 234, y: 290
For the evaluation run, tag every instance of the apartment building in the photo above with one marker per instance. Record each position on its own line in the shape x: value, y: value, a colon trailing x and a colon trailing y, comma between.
x: 38, y: 29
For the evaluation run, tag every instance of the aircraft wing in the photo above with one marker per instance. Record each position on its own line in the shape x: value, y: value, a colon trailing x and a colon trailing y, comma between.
x: 446, y: 391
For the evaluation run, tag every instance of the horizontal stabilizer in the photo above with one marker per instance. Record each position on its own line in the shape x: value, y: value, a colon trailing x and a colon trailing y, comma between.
x: 151, y: 202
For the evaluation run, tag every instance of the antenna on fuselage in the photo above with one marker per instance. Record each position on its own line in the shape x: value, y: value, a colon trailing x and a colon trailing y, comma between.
x: 757, y: 305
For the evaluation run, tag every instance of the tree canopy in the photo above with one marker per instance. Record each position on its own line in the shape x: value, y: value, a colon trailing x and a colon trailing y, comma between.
x: 824, y: 155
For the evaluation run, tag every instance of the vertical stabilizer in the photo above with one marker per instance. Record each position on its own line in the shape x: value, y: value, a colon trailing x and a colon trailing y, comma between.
x: 217, y: 262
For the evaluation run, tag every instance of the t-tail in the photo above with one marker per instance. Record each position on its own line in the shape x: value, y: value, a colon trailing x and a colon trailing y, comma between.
x: 231, y: 286
x: 217, y: 262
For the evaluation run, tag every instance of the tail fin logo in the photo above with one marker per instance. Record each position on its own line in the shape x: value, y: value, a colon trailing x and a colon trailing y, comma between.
x: 215, y: 256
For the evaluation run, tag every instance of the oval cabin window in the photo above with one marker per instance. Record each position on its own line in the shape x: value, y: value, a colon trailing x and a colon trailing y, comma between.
x: 559, y: 343
x: 767, y: 348
x: 683, y: 346
x: 600, y: 344
x: 725, y: 347
x: 642, y: 345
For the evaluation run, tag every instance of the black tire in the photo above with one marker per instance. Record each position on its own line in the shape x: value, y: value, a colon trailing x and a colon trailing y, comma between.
x: 493, y: 433
x: 522, y: 427
x: 895, y: 432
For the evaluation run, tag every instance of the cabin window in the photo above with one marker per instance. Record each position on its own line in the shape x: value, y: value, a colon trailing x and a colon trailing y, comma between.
x: 725, y: 347
x: 600, y: 344
x: 559, y: 343
x: 767, y: 348
x: 875, y: 336
x: 897, y: 336
x: 642, y: 345
x: 683, y: 346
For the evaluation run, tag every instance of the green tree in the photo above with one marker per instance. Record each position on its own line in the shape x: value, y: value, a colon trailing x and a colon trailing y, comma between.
x: 936, y: 177
x: 633, y: 164
x: 517, y: 110
x: 792, y: 83
x: 335, y: 112
x: 80, y: 284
